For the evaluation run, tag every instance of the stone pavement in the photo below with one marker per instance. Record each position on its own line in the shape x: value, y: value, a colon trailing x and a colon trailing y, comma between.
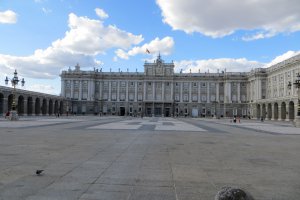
x: 272, y: 127
x: 89, y: 158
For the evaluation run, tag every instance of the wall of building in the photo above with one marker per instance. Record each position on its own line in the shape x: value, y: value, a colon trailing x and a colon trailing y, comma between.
x: 156, y: 92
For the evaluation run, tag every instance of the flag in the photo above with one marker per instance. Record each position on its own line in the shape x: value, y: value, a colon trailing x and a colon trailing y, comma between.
x: 147, y: 51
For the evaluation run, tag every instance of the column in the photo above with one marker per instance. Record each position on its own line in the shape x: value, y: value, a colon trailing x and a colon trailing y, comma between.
x: 279, y: 112
x: 292, y: 89
x: 89, y: 90
x: 208, y: 94
x: 190, y: 92
x: 25, y: 111
x: 172, y: 92
x: 118, y: 90
x: 229, y: 92
x: 63, y: 88
x: 72, y: 88
x: 181, y: 86
x: 127, y: 91
x: 100, y: 90
x: 163, y: 91
x: 272, y: 110
x: 145, y: 84
x: 153, y: 90
x: 199, y: 92
x: 80, y: 90
x: 135, y: 91
x: 217, y: 92
x: 284, y: 87
x: 92, y: 89
x: 33, y: 106
x: 259, y: 89
x: 109, y: 90
x: 239, y: 92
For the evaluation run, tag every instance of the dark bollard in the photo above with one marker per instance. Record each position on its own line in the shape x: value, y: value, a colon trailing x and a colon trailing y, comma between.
x: 233, y: 193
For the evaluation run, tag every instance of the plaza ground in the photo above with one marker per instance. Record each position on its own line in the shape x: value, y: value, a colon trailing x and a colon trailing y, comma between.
x: 92, y: 157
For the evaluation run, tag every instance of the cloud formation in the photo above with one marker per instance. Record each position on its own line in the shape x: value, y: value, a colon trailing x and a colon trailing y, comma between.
x: 101, y: 13
x: 217, y: 18
x: 230, y: 64
x: 8, y: 17
x: 215, y: 65
x: 164, y: 46
x: 283, y: 57
x: 85, y: 39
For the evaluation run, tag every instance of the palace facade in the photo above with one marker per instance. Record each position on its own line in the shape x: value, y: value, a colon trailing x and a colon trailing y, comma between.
x: 159, y: 91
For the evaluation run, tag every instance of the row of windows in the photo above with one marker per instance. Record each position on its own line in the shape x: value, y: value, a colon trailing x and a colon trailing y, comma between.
x: 123, y: 84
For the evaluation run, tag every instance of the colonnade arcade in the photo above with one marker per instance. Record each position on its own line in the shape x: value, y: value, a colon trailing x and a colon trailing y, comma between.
x: 30, y: 103
x: 279, y: 110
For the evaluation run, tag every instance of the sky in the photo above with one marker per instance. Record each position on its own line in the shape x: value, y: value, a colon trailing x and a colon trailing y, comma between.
x: 40, y: 38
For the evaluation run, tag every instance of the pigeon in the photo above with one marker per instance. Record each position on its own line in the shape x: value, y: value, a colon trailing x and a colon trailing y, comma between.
x: 39, y: 172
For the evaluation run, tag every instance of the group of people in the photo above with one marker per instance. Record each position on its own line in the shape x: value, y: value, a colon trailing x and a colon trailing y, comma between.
x: 236, y: 119
x: 7, y: 114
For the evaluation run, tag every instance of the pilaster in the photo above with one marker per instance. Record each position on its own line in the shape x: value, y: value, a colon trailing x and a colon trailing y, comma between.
x: 208, y: 94
x: 190, y: 92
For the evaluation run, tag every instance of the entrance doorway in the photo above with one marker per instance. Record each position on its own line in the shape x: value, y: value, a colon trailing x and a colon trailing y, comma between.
x: 157, y: 111
x: 149, y: 113
x: 122, y: 111
x: 167, y: 112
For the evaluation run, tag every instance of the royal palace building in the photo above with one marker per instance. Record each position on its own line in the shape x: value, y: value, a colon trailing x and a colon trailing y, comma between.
x: 159, y: 91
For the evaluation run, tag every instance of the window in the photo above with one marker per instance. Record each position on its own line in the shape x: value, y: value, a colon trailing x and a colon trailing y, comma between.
x: 185, y: 97
x: 122, y: 97
x: 195, y: 98
x: 131, y: 97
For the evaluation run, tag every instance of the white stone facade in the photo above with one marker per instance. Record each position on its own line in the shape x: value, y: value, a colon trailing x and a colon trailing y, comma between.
x: 158, y: 91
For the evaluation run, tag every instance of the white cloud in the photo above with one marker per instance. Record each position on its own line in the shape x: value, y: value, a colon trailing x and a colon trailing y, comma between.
x: 230, y: 64
x: 8, y: 17
x: 91, y: 37
x: 217, y: 18
x: 49, y: 89
x: 164, y: 46
x: 101, y: 13
x: 85, y: 39
x: 213, y: 65
x: 283, y: 57
x: 46, y: 10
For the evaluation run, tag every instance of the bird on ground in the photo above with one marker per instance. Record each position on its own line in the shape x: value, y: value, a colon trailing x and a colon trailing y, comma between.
x: 39, y: 172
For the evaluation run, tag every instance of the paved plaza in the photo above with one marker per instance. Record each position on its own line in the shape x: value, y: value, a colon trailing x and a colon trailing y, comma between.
x: 116, y: 158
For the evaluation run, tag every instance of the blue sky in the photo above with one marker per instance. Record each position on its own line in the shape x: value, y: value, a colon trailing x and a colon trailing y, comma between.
x: 40, y: 38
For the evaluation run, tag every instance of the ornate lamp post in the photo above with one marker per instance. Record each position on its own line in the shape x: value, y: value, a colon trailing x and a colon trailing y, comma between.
x: 297, y: 85
x: 14, y: 81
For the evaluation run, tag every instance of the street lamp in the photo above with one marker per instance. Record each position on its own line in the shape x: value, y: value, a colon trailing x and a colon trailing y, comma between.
x: 297, y: 85
x: 14, y: 81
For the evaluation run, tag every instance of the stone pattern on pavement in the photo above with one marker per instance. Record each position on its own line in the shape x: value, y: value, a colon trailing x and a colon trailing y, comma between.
x: 87, y: 163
